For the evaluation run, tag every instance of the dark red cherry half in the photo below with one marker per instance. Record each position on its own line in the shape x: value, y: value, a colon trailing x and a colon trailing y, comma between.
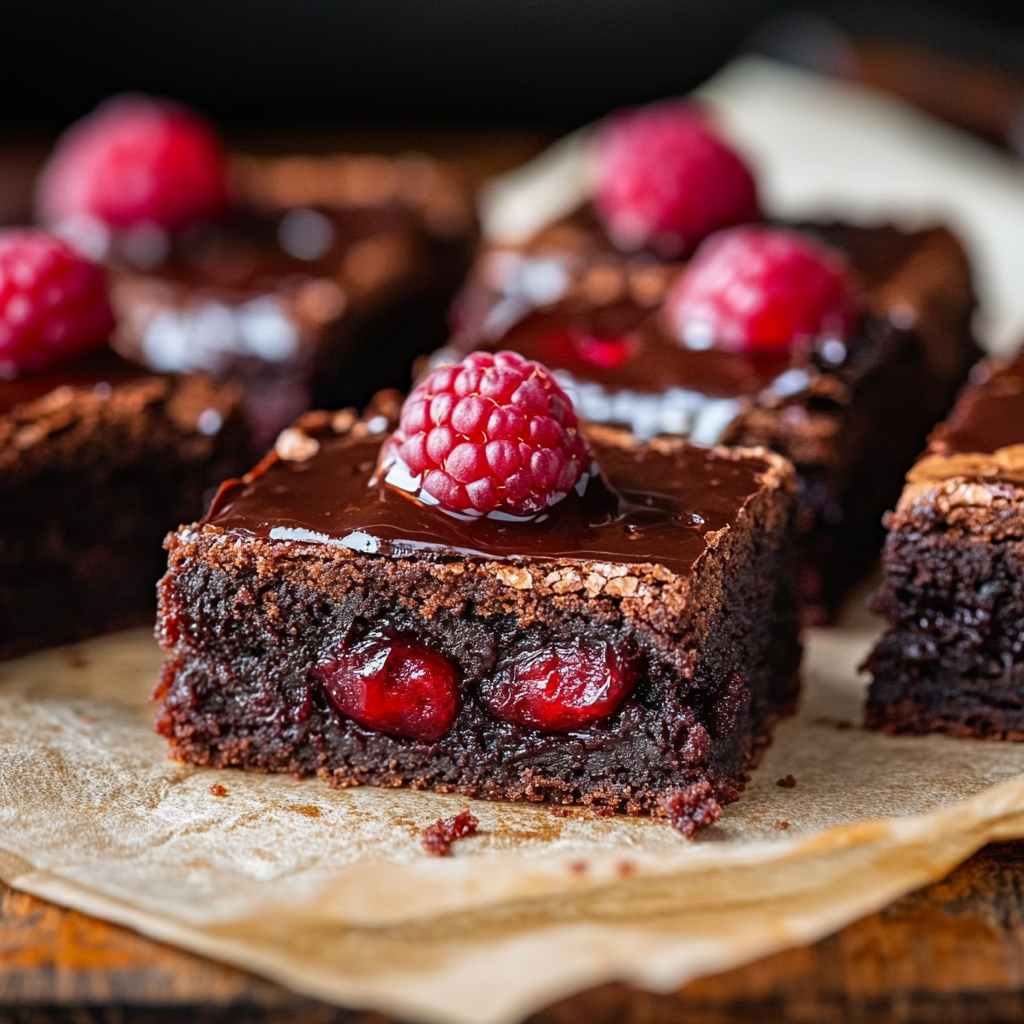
x: 563, y: 687
x: 396, y: 686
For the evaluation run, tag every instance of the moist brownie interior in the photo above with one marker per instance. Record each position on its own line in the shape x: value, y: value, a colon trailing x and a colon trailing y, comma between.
x: 951, y: 659
x: 684, y: 566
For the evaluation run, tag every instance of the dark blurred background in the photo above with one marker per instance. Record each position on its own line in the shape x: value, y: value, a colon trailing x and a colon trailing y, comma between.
x: 545, y: 63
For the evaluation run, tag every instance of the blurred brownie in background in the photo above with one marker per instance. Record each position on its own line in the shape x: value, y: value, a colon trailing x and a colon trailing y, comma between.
x: 837, y: 346
x: 309, y: 281
x: 99, y: 457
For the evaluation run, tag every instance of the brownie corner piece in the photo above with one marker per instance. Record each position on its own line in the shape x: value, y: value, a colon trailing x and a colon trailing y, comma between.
x: 950, y: 658
x: 633, y: 660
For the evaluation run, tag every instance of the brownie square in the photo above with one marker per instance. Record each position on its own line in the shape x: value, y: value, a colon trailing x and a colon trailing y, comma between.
x: 953, y: 592
x: 98, y: 461
x: 324, y: 282
x: 851, y: 415
x: 682, y: 569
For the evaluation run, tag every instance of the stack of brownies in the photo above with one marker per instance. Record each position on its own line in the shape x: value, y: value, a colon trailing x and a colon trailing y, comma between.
x: 572, y: 564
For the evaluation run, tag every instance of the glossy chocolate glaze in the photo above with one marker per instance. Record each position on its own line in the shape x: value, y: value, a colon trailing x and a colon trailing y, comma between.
x: 989, y: 413
x: 568, y: 285
x: 661, y: 506
x: 257, y: 285
x: 101, y: 369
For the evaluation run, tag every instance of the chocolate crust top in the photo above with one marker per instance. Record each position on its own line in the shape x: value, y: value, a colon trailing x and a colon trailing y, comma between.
x: 980, y: 444
x: 668, y: 502
x: 51, y: 420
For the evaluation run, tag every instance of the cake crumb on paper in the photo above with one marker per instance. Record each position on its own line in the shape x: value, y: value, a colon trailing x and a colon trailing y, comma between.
x: 692, y: 808
x: 437, y: 839
x: 786, y: 783
x: 218, y: 790
x: 780, y: 824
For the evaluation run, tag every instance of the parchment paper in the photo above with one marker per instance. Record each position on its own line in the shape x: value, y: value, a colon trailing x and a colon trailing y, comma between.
x: 331, y: 893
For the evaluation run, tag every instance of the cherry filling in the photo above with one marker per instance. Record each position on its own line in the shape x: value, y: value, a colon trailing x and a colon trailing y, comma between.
x: 606, y: 353
x: 561, y: 688
x: 564, y: 346
x: 395, y: 686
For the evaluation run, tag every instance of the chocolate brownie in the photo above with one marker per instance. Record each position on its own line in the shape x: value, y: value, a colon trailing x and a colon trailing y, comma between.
x: 320, y: 286
x: 670, y: 567
x: 851, y: 413
x: 98, y: 459
x: 951, y: 659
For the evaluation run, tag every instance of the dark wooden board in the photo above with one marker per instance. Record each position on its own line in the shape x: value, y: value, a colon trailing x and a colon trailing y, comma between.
x: 953, y: 952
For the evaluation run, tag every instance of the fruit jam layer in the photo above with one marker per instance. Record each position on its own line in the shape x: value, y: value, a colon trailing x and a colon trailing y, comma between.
x: 665, y: 502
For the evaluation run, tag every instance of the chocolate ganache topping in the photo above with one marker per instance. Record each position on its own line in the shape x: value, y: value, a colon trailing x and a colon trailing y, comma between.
x: 661, y: 503
x: 595, y: 316
x: 989, y: 414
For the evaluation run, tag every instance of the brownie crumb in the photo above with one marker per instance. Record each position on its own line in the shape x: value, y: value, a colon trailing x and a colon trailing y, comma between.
x: 691, y: 809
x: 780, y: 824
x: 787, y: 783
x: 438, y: 838
x: 218, y: 790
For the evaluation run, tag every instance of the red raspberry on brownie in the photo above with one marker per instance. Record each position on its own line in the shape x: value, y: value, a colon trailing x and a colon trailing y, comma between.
x: 53, y: 302
x: 665, y: 180
x: 759, y: 289
x: 135, y: 161
x: 494, y: 434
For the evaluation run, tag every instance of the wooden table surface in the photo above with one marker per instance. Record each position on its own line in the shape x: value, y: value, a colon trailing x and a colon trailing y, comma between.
x: 953, y: 952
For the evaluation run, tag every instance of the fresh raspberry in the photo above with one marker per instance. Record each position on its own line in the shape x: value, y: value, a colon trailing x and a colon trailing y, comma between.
x: 134, y: 161
x: 395, y: 686
x: 756, y: 289
x: 665, y: 180
x: 561, y: 688
x: 53, y: 302
x: 496, y: 433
